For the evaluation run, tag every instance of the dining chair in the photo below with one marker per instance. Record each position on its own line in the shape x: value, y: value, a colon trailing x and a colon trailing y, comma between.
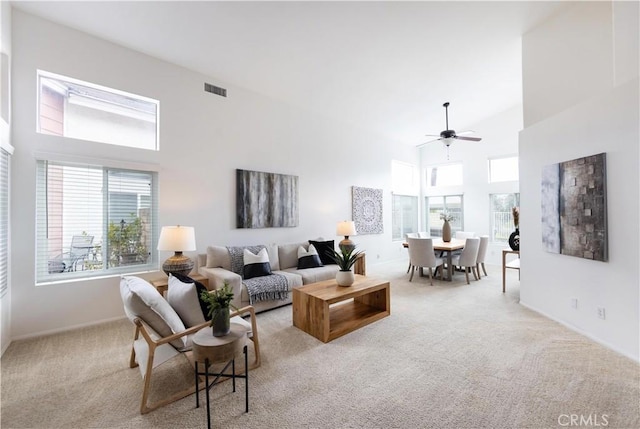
x: 482, y: 253
x: 422, y: 255
x: 468, y: 256
x: 411, y: 235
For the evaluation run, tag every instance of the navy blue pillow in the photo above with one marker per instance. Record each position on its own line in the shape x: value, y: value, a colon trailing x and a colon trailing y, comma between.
x: 324, y: 248
x: 199, y: 288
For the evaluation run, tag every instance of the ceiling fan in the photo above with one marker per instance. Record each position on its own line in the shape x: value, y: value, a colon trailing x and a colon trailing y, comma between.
x: 448, y: 136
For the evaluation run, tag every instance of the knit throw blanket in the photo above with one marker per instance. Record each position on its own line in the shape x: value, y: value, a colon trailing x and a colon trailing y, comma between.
x: 266, y: 288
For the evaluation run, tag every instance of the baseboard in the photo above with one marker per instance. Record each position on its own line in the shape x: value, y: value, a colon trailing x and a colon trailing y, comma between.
x: 4, y: 349
x: 66, y: 328
x: 583, y: 333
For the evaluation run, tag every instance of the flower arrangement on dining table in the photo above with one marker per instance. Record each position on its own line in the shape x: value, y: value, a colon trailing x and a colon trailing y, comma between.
x: 446, y: 216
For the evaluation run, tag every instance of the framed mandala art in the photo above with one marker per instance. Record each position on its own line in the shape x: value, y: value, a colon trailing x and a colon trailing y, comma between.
x: 367, y: 210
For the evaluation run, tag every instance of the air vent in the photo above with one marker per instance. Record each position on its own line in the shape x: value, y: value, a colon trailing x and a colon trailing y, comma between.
x: 215, y: 89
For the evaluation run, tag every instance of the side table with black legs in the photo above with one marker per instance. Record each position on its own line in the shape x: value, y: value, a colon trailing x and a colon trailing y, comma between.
x: 210, y: 350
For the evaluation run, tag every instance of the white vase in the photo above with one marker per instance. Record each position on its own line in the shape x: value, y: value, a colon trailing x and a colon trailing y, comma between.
x: 345, y: 278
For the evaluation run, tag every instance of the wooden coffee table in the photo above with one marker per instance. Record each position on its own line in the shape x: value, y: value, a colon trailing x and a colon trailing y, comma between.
x: 328, y: 311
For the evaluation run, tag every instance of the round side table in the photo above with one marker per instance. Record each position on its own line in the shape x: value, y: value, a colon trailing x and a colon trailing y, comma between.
x: 210, y: 350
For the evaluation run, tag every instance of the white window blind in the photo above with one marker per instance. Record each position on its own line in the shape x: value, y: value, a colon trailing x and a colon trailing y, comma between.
x: 94, y: 220
x: 4, y: 222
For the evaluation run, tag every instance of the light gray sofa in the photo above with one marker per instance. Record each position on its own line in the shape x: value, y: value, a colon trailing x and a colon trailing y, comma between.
x: 283, y: 258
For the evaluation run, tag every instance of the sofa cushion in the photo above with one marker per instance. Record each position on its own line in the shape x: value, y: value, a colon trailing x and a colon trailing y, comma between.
x: 142, y: 300
x: 274, y: 259
x: 183, y: 295
x: 314, y: 275
x: 256, y: 265
x: 308, y: 258
x: 324, y: 248
x: 288, y: 254
x: 218, y: 257
x: 293, y: 280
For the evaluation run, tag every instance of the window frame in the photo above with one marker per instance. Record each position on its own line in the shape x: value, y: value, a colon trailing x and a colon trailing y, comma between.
x: 115, y: 103
x: 436, y: 231
x: 502, y: 158
x: 403, y: 228
x: 6, y: 151
x: 508, y: 214
x: 43, y: 273
x: 428, y: 168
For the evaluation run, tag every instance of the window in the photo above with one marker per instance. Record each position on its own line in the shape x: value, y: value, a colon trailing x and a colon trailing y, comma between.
x: 4, y: 220
x: 447, y: 203
x: 82, y: 110
x: 405, y: 186
x: 503, y: 169
x: 444, y: 175
x: 501, y: 217
x: 404, y: 216
x: 94, y: 220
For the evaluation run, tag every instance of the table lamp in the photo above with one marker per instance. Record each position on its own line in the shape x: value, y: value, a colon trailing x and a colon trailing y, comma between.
x: 346, y: 228
x: 179, y: 239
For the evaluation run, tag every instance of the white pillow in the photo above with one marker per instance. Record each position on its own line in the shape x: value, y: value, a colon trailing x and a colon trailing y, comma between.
x: 256, y: 265
x: 308, y: 258
x: 142, y: 300
x: 184, y: 299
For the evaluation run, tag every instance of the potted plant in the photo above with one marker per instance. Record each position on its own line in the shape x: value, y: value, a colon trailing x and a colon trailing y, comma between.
x: 345, y: 259
x: 218, y: 301
x: 126, y: 242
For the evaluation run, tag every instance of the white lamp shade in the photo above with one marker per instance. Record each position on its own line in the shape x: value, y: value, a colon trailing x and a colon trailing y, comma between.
x: 346, y: 228
x: 177, y: 238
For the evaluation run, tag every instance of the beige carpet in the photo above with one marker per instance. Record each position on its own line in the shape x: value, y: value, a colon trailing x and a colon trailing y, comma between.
x: 450, y: 356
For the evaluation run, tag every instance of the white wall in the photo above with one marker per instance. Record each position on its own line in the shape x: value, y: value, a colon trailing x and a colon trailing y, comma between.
x: 203, y: 139
x: 5, y: 119
x: 499, y: 138
x: 603, y: 118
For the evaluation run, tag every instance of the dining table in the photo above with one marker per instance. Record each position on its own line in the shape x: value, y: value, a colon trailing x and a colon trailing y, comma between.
x: 446, y: 248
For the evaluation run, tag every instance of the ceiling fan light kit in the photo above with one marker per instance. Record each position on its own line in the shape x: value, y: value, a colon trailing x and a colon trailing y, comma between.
x: 448, y: 136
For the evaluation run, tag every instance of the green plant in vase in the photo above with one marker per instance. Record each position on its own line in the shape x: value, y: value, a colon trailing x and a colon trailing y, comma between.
x: 345, y: 259
x: 219, y: 304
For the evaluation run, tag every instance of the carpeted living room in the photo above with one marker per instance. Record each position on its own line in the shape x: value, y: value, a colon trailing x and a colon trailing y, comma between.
x: 450, y: 355
x: 266, y: 133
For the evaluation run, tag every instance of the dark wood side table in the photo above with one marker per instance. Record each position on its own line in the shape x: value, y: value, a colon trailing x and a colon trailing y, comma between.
x: 210, y: 350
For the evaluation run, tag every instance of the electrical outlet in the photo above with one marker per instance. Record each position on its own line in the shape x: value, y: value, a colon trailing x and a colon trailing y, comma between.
x: 601, y: 313
x: 574, y: 303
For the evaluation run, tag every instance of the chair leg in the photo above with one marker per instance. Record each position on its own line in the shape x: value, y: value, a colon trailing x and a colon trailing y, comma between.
x: 413, y: 268
x: 430, y: 276
x: 478, y: 271
x: 483, y: 269
x: 409, y: 267
x: 441, y: 271
x: 466, y: 273
x: 475, y: 273
x: 132, y: 358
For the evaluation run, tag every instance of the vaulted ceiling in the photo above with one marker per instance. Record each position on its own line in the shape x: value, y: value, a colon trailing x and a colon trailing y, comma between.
x: 388, y: 66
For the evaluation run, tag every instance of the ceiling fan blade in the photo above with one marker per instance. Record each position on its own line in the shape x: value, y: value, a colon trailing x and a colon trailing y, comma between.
x: 473, y: 139
x: 467, y: 132
x: 432, y: 135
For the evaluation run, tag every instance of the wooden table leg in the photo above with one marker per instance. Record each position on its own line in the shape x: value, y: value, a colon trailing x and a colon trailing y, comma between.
x: 449, y: 265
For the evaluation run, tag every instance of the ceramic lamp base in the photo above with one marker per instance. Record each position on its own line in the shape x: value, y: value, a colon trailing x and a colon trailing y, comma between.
x: 178, y: 264
x: 347, y: 245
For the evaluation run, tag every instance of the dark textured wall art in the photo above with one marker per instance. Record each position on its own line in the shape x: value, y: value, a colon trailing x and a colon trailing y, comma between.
x: 266, y: 200
x: 574, y: 208
x: 367, y: 210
